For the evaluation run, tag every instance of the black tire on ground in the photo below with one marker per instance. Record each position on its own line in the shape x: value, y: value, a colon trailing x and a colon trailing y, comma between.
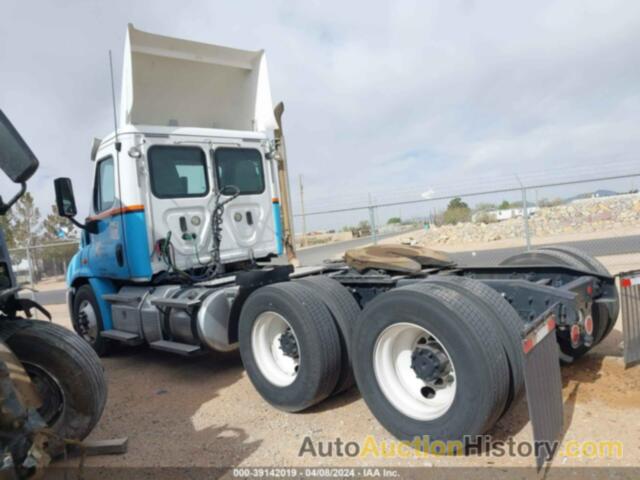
x: 470, y: 340
x: 85, y: 295
x: 345, y: 311
x: 554, y: 257
x: 542, y: 257
x: 317, y: 339
x: 508, y: 322
x: 593, y: 264
x: 67, y: 373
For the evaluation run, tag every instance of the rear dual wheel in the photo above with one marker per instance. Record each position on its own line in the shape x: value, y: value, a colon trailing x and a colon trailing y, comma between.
x: 428, y: 361
x: 290, y: 346
x: 508, y: 324
x: 345, y: 310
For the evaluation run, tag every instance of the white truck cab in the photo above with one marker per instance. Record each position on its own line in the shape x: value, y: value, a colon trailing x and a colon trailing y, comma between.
x: 194, y: 119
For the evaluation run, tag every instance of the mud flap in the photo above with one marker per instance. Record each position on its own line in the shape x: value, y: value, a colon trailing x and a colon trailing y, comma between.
x: 630, y: 303
x: 543, y: 384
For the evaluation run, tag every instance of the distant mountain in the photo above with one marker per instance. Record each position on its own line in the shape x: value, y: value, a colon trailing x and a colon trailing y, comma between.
x: 595, y: 194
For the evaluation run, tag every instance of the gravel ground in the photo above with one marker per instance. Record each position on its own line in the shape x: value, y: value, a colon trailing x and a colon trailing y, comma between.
x: 182, y: 412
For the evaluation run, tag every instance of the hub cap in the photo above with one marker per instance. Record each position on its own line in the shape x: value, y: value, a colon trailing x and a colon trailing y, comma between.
x: 49, y: 391
x: 87, y: 322
x: 414, y: 371
x: 275, y: 348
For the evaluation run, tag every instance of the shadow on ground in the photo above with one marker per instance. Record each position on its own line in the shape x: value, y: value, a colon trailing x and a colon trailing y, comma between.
x: 163, y: 404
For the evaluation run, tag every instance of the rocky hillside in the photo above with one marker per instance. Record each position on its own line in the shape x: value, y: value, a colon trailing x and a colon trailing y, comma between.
x: 582, y: 216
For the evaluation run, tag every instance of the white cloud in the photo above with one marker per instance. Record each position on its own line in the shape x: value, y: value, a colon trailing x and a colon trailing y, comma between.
x: 384, y: 97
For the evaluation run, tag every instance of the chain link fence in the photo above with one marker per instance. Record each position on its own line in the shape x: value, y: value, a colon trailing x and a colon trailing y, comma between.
x: 600, y: 216
x: 41, y: 262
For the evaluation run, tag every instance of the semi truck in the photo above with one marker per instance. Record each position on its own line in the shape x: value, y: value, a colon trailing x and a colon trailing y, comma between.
x: 189, y: 211
x: 52, y: 385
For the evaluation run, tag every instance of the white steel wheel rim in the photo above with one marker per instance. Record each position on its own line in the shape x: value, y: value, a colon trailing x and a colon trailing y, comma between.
x: 89, y: 331
x: 399, y: 382
x: 277, y: 367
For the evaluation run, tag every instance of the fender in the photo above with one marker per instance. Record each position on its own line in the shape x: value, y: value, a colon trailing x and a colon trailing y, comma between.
x: 79, y: 269
x: 103, y: 286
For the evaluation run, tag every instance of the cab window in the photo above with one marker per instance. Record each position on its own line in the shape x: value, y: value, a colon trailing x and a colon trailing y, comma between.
x: 178, y: 172
x: 240, y: 167
x: 104, y: 192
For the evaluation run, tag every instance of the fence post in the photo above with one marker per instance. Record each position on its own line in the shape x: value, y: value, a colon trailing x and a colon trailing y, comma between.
x: 372, y: 221
x: 30, y: 265
x: 525, y: 219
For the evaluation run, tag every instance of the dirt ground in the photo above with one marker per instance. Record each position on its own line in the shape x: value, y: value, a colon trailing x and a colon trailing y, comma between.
x: 183, y: 412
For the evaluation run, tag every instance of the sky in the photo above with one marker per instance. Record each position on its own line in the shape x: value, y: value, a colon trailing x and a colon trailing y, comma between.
x: 384, y: 100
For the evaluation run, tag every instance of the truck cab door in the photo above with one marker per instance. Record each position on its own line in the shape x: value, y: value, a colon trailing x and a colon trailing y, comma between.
x: 107, y: 256
x: 248, y: 219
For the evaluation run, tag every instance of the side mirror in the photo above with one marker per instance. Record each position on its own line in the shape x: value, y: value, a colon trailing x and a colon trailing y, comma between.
x: 65, y: 201
x: 66, y: 204
x: 17, y: 160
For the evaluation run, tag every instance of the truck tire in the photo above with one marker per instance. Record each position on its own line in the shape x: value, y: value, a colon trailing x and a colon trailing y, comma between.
x: 87, y: 320
x: 596, y: 266
x: 68, y: 375
x: 344, y: 310
x: 289, y: 345
x: 439, y: 334
x: 509, y: 323
x: 555, y: 257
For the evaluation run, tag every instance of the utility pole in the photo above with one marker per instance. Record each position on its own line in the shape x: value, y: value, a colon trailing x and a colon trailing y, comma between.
x: 525, y: 215
x: 372, y: 220
x: 303, y: 241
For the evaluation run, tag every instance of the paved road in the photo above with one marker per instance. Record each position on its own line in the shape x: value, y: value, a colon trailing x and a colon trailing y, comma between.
x: 596, y: 248
x: 600, y: 247
x: 316, y: 255
x: 51, y: 297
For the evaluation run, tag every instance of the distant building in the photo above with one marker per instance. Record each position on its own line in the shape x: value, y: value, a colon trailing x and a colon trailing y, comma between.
x: 504, y: 214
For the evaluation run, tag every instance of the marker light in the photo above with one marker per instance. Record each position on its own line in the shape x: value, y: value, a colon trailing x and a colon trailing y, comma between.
x: 134, y: 152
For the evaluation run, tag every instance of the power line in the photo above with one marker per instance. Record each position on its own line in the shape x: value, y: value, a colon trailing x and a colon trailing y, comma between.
x: 490, y: 183
x: 469, y: 194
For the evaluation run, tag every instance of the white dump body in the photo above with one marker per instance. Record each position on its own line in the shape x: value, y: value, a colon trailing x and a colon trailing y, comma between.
x: 209, y: 103
x: 173, y: 82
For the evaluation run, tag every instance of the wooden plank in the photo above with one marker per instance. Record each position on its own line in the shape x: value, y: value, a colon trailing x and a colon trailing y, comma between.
x: 116, y: 446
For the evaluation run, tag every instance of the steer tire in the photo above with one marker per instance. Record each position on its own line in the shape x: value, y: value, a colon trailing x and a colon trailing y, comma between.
x: 317, y: 340
x: 345, y: 311
x: 555, y: 257
x: 508, y: 322
x: 472, y: 343
x: 593, y: 264
x: 85, y: 296
x: 68, y: 375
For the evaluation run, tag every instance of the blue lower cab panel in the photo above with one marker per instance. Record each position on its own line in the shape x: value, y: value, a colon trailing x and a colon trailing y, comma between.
x: 137, y: 247
x: 118, y: 251
x: 277, y: 220
x: 102, y: 287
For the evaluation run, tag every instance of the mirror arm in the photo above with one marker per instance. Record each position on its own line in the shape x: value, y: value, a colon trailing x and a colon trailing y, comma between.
x: 4, y: 207
x: 90, y: 226
x: 81, y: 226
